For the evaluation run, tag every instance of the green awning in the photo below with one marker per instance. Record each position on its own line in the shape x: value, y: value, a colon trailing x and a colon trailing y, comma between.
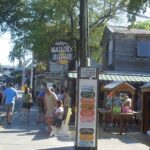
x: 118, y: 77
x: 129, y: 78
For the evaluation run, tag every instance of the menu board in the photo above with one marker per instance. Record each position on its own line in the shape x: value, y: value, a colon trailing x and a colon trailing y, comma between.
x: 86, y: 133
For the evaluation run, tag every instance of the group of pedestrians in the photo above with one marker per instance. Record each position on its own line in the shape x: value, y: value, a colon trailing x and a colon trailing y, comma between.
x: 52, y: 107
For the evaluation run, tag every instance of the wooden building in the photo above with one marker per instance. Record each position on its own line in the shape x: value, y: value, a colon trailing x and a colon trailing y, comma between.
x: 145, y: 107
x: 126, y: 49
x: 126, y: 56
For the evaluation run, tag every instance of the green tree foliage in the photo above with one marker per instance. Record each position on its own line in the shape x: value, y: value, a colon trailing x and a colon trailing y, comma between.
x: 36, y: 24
x: 11, y: 13
x: 136, y: 7
x: 40, y: 67
x: 142, y: 25
x: 16, y: 53
x: 16, y: 76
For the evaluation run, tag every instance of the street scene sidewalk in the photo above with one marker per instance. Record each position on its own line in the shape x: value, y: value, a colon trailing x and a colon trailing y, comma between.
x: 32, y: 136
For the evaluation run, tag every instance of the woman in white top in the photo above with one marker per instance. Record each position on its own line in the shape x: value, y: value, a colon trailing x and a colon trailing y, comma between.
x: 58, y: 114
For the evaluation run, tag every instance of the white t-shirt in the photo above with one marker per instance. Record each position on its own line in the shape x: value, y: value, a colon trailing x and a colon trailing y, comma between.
x: 59, y: 112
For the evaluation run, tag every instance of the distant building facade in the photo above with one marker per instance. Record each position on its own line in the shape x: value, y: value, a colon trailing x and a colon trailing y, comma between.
x: 6, y: 69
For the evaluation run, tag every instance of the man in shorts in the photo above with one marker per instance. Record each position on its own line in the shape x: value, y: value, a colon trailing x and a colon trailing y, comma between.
x: 10, y: 96
x: 40, y: 101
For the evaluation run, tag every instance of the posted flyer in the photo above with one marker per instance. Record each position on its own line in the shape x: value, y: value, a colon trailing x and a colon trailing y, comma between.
x: 87, y: 113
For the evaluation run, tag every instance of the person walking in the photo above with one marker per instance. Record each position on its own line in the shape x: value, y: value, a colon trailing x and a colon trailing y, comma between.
x: 10, y: 96
x: 40, y: 101
x: 58, y: 114
x: 50, y: 103
x: 27, y: 102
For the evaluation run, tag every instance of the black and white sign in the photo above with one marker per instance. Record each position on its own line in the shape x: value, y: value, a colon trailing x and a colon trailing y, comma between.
x: 88, y: 73
x: 61, y: 52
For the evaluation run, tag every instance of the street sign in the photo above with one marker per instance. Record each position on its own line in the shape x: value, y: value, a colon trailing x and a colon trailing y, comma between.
x: 61, y: 52
x: 88, y: 72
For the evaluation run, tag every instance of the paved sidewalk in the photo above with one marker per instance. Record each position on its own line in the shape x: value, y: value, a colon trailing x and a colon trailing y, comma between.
x: 140, y: 137
x: 32, y: 136
x: 114, y: 141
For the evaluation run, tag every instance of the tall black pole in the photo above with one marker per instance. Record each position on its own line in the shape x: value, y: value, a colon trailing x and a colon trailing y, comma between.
x: 83, y: 32
x: 84, y: 52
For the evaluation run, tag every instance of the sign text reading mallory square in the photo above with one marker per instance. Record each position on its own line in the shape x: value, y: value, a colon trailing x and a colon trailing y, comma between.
x: 61, y: 52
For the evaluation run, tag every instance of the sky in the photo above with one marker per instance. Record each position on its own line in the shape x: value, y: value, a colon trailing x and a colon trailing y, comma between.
x: 5, y: 47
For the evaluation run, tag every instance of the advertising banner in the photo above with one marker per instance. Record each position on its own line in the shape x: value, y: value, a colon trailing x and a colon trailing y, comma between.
x: 87, y: 107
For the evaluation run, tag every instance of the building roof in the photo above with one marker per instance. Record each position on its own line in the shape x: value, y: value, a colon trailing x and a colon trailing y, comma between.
x: 146, y: 85
x: 126, y: 30
x: 4, y: 78
x: 118, y: 86
x: 110, y: 29
x: 113, y: 84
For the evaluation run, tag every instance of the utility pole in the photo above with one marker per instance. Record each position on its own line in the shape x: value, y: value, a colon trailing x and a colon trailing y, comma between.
x: 83, y: 127
x: 84, y: 29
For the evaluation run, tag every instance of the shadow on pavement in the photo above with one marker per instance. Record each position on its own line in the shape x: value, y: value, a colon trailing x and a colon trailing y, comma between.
x: 60, y: 148
x: 37, y: 131
x: 41, y: 135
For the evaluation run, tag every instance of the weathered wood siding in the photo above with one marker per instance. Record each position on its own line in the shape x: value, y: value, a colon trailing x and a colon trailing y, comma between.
x: 125, y: 55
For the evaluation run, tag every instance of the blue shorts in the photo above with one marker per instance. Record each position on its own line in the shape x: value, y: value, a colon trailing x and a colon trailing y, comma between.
x: 10, y: 107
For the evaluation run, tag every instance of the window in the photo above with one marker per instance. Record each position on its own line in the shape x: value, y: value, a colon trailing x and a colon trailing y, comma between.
x: 143, y: 48
x: 110, y: 52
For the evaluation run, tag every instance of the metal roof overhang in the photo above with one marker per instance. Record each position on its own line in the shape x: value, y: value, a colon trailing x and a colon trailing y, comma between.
x: 118, y: 77
x: 145, y: 87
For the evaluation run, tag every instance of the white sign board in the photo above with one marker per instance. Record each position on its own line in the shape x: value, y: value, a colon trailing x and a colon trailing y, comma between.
x: 86, y: 133
x: 88, y: 72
